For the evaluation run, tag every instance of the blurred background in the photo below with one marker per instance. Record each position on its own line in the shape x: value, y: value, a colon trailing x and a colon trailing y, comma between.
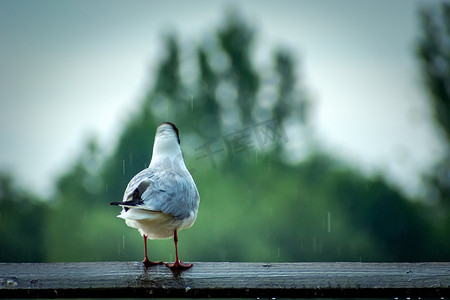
x: 315, y: 130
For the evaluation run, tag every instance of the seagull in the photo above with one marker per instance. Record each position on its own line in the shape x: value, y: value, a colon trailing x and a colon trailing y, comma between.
x: 163, y: 198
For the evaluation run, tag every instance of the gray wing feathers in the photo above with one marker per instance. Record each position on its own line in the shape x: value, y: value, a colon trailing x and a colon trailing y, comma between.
x: 140, y: 181
x: 171, y: 191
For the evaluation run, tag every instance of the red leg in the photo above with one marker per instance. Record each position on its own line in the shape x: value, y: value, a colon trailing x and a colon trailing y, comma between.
x: 146, y: 261
x: 177, y: 264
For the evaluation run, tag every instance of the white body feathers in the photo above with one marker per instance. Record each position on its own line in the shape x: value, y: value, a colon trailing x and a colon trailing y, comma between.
x: 163, y: 197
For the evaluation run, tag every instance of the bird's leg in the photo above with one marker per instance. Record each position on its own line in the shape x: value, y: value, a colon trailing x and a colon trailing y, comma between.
x: 146, y: 261
x: 177, y: 264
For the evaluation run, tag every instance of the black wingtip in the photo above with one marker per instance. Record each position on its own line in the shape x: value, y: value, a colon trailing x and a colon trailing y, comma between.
x: 115, y: 203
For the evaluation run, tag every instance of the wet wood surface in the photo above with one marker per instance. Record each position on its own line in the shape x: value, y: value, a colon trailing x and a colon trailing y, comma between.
x: 225, y: 279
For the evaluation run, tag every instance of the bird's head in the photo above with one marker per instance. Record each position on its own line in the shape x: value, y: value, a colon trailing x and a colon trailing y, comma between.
x: 168, y: 131
x: 167, y: 139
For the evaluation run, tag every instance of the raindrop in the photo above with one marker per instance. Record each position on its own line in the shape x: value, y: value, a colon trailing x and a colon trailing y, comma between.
x: 278, y: 252
x: 123, y: 242
x: 329, y: 222
x: 192, y: 102
x: 123, y: 166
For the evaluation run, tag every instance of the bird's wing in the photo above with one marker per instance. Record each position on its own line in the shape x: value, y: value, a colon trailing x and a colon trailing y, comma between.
x: 171, y: 191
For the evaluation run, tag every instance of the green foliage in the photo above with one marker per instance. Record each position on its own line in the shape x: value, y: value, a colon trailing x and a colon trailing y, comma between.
x: 236, y: 39
x: 434, y: 54
x: 22, y: 218
x: 254, y: 206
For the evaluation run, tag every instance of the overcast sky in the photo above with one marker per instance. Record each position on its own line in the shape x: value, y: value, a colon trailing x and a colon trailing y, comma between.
x: 70, y: 69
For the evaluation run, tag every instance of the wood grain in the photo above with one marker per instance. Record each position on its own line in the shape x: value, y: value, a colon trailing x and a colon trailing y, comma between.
x: 224, y: 279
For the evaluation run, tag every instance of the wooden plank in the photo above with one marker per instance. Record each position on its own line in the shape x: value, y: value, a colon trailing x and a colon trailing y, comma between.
x: 224, y: 279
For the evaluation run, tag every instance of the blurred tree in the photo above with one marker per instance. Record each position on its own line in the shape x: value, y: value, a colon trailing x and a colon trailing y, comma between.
x: 434, y: 54
x: 230, y: 89
x: 22, y: 218
x: 168, y: 80
x: 236, y: 39
x: 166, y: 100
x: 208, y: 109
x: 284, y: 66
x: 291, y: 104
